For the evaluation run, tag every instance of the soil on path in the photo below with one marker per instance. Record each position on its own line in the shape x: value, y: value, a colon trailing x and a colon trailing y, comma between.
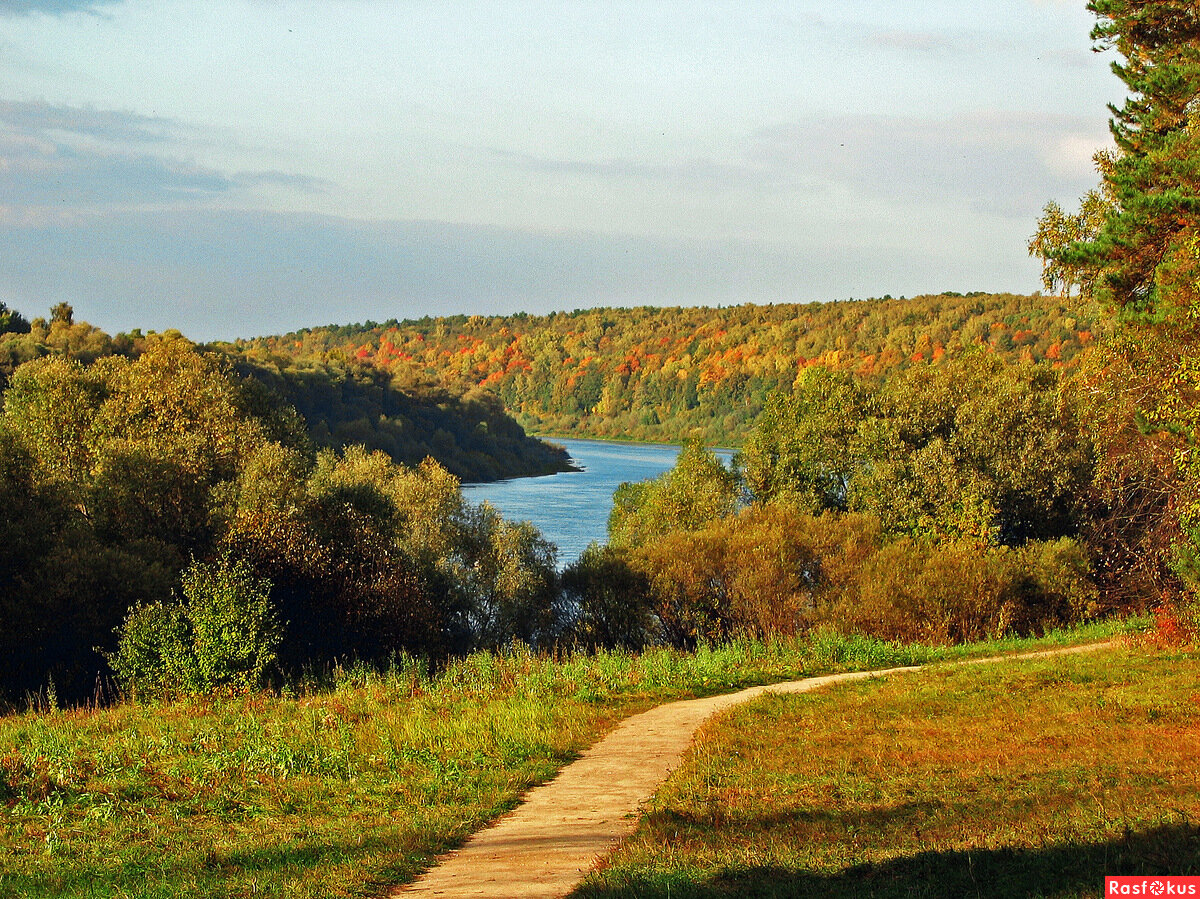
x: 555, y: 837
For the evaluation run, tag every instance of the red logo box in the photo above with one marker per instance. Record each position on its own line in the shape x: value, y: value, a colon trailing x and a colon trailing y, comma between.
x: 1166, y: 885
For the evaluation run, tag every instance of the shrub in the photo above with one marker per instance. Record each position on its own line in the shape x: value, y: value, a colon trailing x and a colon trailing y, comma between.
x: 922, y: 591
x: 155, y: 653
x: 234, y: 631
x: 764, y: 572
x: 222, y: 636
x: 608, y: 601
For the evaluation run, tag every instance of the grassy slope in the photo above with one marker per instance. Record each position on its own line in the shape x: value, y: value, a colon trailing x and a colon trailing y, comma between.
x: 335, y: 792
x: 1031, y: 778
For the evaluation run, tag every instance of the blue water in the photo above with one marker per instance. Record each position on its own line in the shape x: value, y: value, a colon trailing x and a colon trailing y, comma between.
x: 571, y: 508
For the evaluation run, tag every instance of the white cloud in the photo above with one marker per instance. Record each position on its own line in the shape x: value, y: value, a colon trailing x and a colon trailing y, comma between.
x: 58, y: 159
x: 14, y: 8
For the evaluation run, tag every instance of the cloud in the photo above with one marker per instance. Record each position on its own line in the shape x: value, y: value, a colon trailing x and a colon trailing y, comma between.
x: 56, y: 160
x: 695, y: 173
x: 15, y: 8
x: 53, y: 177
x: 1003, y: 162
x: 106, y: 124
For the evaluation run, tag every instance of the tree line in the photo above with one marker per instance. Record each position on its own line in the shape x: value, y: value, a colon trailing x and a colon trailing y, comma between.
x: 166, y: 516
x: 170, y: 520
x: 678, y: 373
x: 341, y: 403
x: 947, y: 504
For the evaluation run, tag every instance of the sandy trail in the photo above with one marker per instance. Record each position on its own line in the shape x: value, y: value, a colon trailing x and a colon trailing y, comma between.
x: 551, y: 841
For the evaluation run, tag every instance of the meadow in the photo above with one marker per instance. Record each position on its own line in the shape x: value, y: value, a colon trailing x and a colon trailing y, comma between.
x: 351, y: 781
x: 1027, y: 778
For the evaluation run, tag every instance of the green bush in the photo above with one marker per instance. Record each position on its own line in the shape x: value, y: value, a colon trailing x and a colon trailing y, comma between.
x: 222, y: 636
x: 234, y: 631
x: 155, y: 653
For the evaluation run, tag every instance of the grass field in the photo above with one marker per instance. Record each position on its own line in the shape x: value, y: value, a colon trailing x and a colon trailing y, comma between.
x: 1032, y: 778
x: 336, y: 790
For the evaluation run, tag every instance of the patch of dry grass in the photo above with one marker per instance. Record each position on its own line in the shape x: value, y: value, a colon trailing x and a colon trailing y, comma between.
x: 1031, y: 778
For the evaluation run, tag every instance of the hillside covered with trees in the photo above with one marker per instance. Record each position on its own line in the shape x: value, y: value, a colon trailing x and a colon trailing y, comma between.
x: 164, y: 515
x: 675, y: 373
x: 340, y: 403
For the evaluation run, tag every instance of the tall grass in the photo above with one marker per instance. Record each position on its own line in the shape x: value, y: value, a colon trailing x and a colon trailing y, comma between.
x: 343, y: 783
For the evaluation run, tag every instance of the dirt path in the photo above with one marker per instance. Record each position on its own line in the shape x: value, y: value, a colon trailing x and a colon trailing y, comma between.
x: 550, y: 842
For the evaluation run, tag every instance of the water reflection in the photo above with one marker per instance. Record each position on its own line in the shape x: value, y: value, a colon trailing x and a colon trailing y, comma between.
x: 571, y: 508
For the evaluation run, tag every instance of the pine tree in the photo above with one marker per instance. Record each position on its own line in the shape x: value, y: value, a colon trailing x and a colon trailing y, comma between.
x: 1146, y: 250
x: 1143, y: 261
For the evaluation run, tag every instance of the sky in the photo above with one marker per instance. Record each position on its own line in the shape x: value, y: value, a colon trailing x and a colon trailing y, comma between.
x: 236, y: 168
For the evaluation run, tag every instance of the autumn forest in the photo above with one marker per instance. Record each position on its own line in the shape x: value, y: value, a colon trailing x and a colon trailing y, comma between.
x: 179, y: 518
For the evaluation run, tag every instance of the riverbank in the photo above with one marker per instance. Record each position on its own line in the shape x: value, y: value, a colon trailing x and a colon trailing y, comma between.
x: 551, y: 437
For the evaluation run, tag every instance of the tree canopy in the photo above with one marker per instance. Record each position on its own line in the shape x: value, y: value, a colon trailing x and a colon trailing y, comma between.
x: 678, y: 373
x: 1138, y: 253
x: 134, y: 479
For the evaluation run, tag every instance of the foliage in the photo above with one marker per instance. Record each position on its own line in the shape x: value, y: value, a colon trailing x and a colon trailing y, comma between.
x: 341, y: 402
x: 677, y: 373
x: 1058, y: 229
x: 1138, y: 255
x: 954, y: 592
x: 350, y: 404
x: 23, y: 341
x: 797, y: 452
x: 233, y: 628
x: 369, y: 557
x: 155, y: 655
x: 11, y: 321
x: 609, y: 601
x: 777, y: 570
x: 763, y: 572
x: 120, y: 471
x: 696, y: 490
x: 971, y: 449
x: 221, y: 637
x: 1152, y: 177
x: 62, y: 589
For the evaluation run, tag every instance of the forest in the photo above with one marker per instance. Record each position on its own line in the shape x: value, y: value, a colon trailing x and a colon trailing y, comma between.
x: 181, y: 518
x: 675, y: 373
x: 145, y: 478
x: 196, y: 519
x: 339, y: 404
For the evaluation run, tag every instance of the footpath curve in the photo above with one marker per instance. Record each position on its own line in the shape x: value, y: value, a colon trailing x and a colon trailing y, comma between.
x: 545, y: 846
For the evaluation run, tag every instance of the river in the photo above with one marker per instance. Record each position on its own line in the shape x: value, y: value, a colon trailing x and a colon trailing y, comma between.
x: 571, y: 508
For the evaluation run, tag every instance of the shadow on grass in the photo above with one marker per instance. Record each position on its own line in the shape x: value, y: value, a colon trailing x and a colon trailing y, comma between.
x: 238, y: 872
x: 1055, y: 871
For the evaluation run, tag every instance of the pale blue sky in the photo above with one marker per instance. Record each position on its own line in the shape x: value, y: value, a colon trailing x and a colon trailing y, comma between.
x: 239, y: 167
